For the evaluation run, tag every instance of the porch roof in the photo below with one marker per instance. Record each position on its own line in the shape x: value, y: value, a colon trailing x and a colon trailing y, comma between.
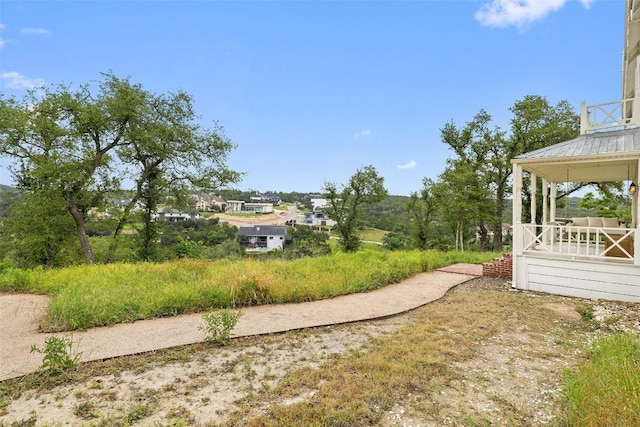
x: 595, y: 157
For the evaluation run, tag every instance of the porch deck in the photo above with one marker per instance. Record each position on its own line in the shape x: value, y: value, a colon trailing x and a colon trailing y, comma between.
x: 595, y: 243
x: 586, y: 262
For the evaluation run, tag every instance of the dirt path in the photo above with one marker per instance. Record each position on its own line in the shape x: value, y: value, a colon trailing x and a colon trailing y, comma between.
x: 19, y: 315
x: 513, y: 379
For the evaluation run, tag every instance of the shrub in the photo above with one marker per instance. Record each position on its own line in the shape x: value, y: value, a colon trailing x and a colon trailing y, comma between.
x: 58, y: 357
x: 218, y: 325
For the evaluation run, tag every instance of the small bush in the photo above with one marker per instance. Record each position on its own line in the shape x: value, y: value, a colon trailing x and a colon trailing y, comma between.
x: 58, y: 357
x: 218, y: 325
x: 588, y: 315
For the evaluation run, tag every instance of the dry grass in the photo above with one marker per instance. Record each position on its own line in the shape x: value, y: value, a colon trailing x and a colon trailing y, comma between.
x: 476, y: 357
x: 416, y: 360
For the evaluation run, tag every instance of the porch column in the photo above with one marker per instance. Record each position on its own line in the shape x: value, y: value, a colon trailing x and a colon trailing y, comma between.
x: 552, y: 197
x: 635, y: 208
x: 635, y: 200
x: 545, y: 194
x: 517, y: 213
x: 534, y: 192
x: 516, y: 221
x: 552, y: 210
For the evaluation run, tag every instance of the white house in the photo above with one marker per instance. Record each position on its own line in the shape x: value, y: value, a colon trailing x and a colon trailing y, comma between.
x: 590, y: 257
x: 240, y: 206
x: 263, y: 238
x: 175, y: 216
x: 317, y: 218
x: 319, y: 203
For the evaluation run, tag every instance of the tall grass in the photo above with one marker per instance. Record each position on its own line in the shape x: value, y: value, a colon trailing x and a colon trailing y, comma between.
x: 606, y: 391
x: 87, y: 296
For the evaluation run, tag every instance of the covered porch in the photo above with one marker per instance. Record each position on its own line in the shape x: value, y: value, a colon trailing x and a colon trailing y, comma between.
x: 590, y: 258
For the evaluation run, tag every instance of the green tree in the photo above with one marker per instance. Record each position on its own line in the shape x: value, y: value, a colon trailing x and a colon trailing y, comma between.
x: 462, y: 200
x: 535, y: 124
x: 39, y: 231
x: 79, y: 145
x: 306, y: 242
x: 422, y: 208
x: 170, y: 153
x: 365, y: 186
x: 609, y: 205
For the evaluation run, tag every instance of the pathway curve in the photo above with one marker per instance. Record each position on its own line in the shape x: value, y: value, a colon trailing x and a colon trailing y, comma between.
x: 19, y: 316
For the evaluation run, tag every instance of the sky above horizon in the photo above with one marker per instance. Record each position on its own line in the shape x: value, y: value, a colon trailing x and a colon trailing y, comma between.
x: 311, y: 91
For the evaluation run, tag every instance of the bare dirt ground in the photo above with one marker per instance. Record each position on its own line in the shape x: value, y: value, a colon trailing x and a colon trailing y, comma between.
x: 519, y: 367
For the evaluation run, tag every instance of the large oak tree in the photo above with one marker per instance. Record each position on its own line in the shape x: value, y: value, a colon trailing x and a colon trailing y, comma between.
x: 76, y: 145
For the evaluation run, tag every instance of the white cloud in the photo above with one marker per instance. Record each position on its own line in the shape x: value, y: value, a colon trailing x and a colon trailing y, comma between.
x: 38, y: 31
x: 412, y: 164
x: 15, y: 80
x: 519, y: 13
x: 363, y: 133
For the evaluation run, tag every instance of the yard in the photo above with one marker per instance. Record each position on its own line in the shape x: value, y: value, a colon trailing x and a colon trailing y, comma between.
x: 483, y: 355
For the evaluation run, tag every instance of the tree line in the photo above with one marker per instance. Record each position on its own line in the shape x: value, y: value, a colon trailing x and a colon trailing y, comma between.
x: 72, y: 150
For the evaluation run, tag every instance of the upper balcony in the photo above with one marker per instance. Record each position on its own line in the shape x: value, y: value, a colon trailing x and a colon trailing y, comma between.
x: 617, y: 115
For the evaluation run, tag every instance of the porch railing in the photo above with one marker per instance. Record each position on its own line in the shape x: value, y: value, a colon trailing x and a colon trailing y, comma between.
x: 586, y: 242
x: 615, y: 115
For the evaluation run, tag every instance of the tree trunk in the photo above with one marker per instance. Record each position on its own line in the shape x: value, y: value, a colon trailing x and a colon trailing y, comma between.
x: 497, y: 237
x: 111, y: 254
x: 497, y: 224
x: 484, y: 236
x: 82, y: 234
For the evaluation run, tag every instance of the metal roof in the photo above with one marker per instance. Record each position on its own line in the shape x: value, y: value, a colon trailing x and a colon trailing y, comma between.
x: 599, y: 143
x: 595, y: 157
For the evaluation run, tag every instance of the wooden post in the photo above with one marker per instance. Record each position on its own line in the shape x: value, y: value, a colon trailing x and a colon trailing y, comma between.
x: 534, y: 192
x: 516, y: 221
x: 552, y: 208
x: 545, y: 213
x: 584, y: 118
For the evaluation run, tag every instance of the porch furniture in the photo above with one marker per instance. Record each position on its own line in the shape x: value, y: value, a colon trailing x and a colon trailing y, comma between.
x: 591, y: 221
x: 586, y: 226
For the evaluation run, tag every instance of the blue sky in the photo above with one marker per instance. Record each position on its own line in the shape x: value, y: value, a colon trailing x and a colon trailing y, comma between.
x: 310, y: 91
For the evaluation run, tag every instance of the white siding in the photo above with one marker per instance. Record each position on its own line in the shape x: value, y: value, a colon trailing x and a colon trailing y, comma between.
x: 584, y: 279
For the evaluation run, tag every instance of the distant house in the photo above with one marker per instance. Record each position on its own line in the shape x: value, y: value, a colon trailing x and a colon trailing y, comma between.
x: 272, y: 199
x: 175, y: 216
x: 208, y: 202
x: 263, y: 238
x: 240, y: 206
x: 234, y: 206
x: 319, y: 203
x: 265, y: 198
x: 317, y: 219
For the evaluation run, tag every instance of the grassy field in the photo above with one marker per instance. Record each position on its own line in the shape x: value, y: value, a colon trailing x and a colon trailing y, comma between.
x: 473, y: 358
x: 606, y: 391
x: 373, y: 235
x: 87, y: 296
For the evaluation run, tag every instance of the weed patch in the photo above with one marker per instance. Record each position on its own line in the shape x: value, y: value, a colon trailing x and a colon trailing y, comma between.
x: 606, y: 391
x: 58, y: 356
x: 218, y: 325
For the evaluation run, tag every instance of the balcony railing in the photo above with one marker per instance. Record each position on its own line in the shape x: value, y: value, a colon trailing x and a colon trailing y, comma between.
x: 598, y: 243
x: 608, y: 116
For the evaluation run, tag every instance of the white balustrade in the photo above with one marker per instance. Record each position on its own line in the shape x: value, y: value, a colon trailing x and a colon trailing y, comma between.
x: 607, y: 116
x: 608, y: 243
